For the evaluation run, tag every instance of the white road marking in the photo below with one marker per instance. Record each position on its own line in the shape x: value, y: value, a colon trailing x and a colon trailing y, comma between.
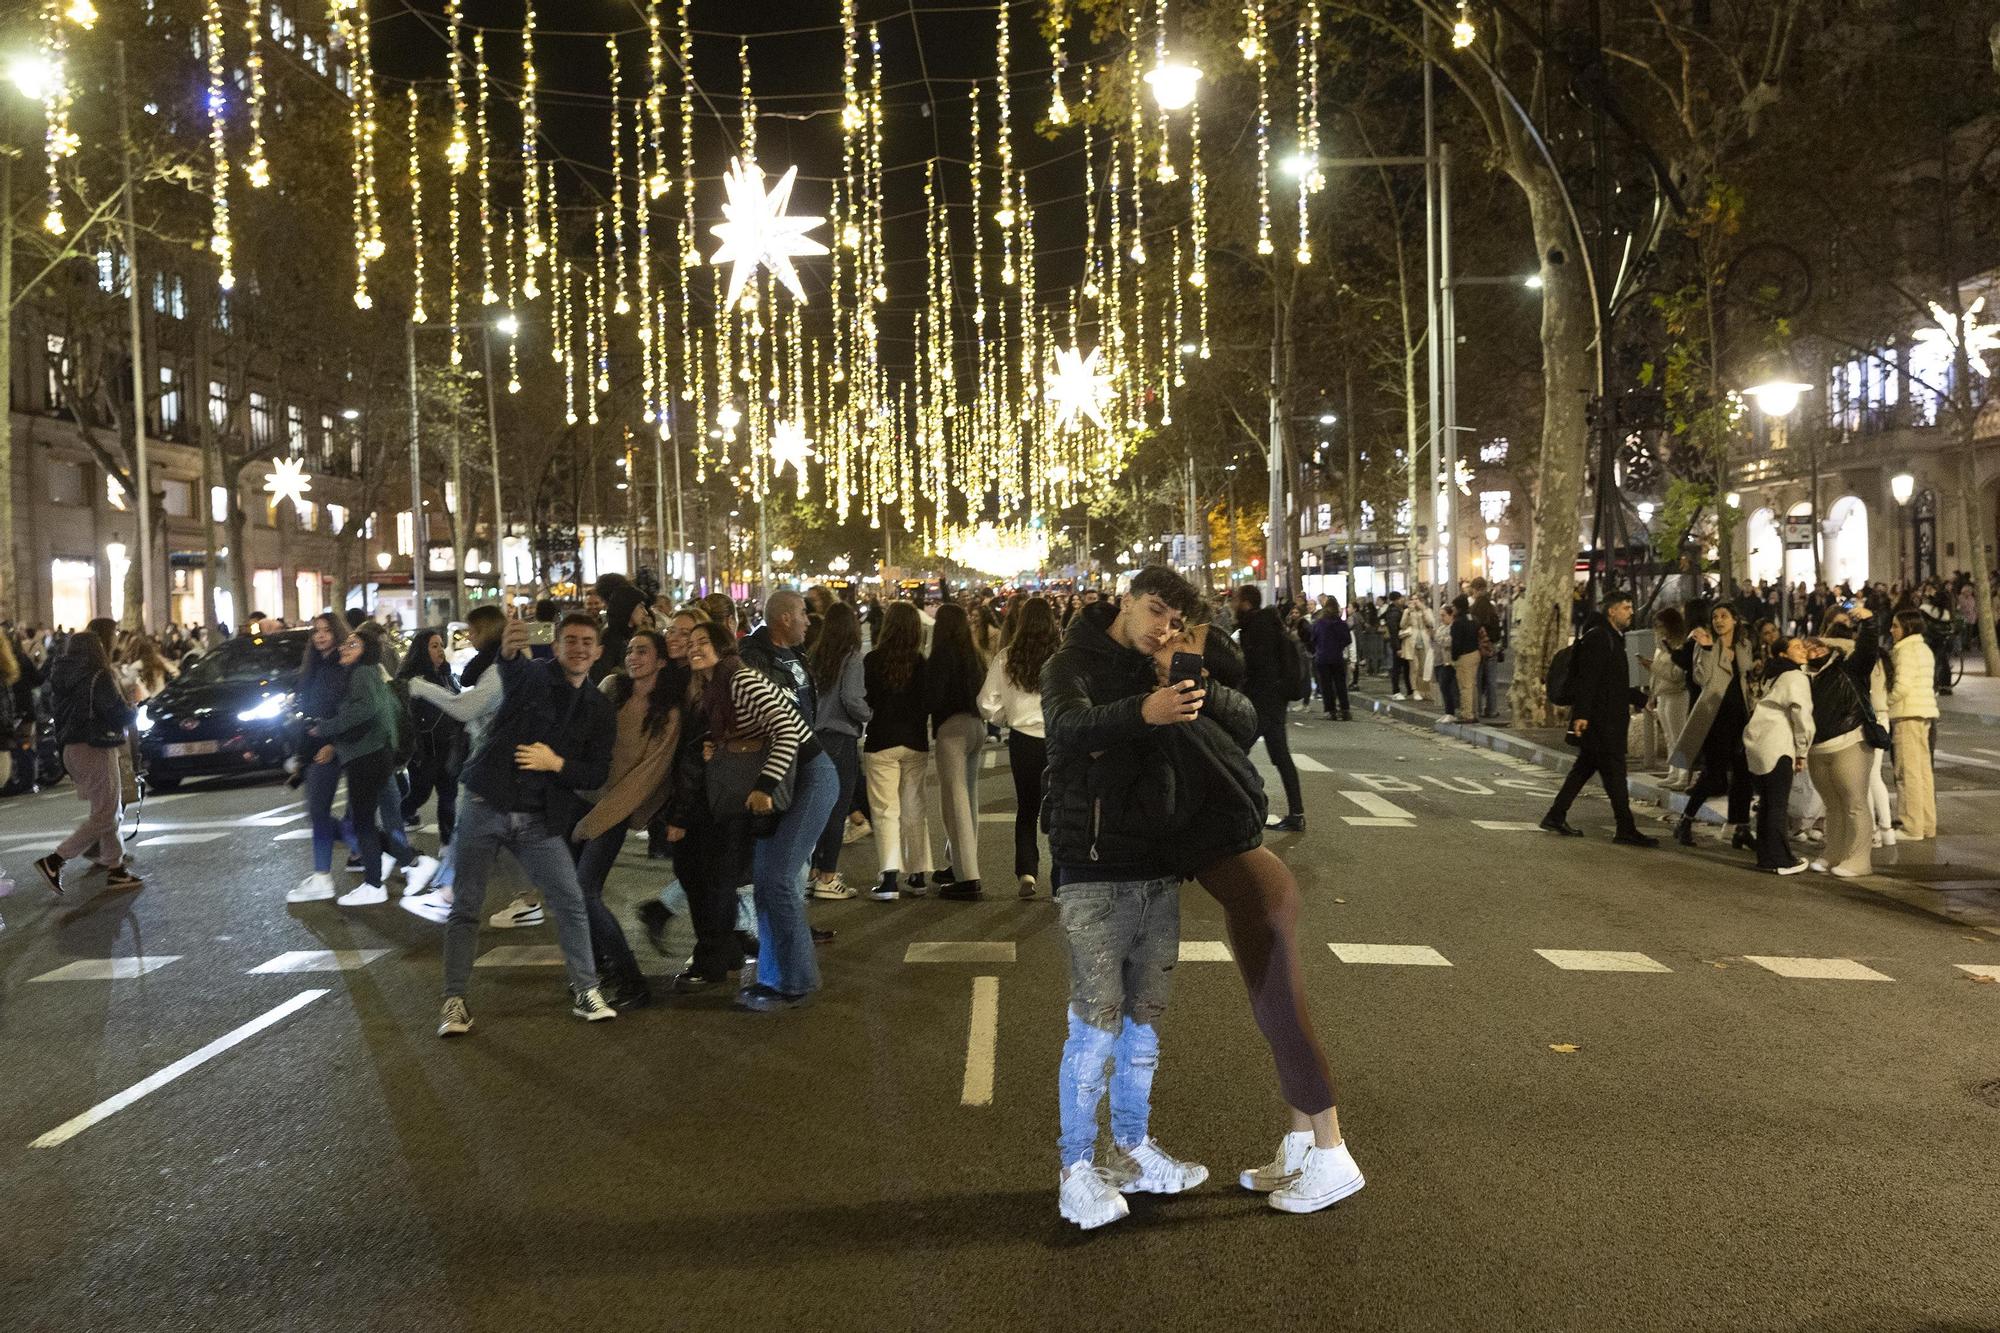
x: 1980, y: 969
x: 109, y: 969
x: 1307, y: 764
x: 318, y: 960
x: 521, y: 955
x: 1376, y: 821
x: 1508, y: 825
x: 1380, y: 807
x: 989, y: 760
x: 111, y: 1106
x: 293, y: 835
x: 1409, y: 955
x: 174, y: 839
x: 1601, y: 960
x: 1206, y: 951
x: 1945, y: 756
x: 1460, y: 786
x: 982, y: 1041
x: 1817, y: 969
x: 176, y: 796
x: 960, y: 951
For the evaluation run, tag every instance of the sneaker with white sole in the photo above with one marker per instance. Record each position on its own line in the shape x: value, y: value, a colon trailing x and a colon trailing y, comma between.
x: 1147, y: 1168
x: 432, y: 907
x: 314, y: 888
x: 1089, y: 1197
x: 854, y: 833
x: 417, y: 874
x: 1399, y: 695
x: 1025, y: 888
x: 1327, y: 1176
x: 520, y: 912
x: 1283, y: 1168
x: 888, y: 890
x: 1818, y: 867
x: 1846, y: 872
x: 589, y: 1005
x: 365, y: 895
x: 836, y: 889
x: 1887, y: 837
x: 1795, y: 868
x: 454, y: 1020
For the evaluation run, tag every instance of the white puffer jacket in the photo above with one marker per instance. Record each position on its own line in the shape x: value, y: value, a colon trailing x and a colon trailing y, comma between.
x: 1912, y: 694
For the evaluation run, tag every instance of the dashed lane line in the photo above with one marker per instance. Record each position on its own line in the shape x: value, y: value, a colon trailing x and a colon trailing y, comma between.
x: 982, y: 1042
x: 1817, y: 969
x: 1601, y: 960
x: 1508, y: 825
x: 960, y: 951
x: 111, y: 1106
x: 1407, y: 955
x: 318, y: 960
x: 177, y: 839
x: 109, y: 969
x: 521, y: 955
x: 1206, y: 951
x: 1378, y: 806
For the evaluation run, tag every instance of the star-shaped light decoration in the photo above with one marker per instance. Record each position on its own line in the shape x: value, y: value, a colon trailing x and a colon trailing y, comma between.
x: 758, y: 231
x: 789, y: 444
x: 287, y: 480
x: 1979, y: 338
x: 1077, y: 387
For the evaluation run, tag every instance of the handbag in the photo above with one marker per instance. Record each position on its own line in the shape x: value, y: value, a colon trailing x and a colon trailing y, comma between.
x: 733, y: 773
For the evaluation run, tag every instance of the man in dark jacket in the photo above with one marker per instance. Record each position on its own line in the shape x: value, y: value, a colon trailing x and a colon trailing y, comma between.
x: 1600, y: 707
x: 1487, y: 617
x: 774, y: 650
x: 1271, y: 663
x: 1331, y: 638
x: 1125, y: 824
x: 1400, y: 685
x: 550, y: 741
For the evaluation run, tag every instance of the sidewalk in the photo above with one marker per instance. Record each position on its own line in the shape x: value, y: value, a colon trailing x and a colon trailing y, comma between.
x: 1976, y: 697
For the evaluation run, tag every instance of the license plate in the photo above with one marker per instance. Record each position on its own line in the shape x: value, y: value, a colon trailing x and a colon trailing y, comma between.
x: 180, y: 748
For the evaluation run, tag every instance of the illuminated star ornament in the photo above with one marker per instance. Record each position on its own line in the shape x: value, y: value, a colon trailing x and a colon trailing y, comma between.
x: 287, y: 480
x: 1078, y: 387
x: 758, y: 231
x: 1979, y: 338
x: 789, y: 444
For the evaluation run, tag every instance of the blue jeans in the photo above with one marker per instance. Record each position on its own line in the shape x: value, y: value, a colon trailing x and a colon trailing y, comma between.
x: 594, y: 860
x: 675, y: 899
x: 322, y: 782
x: 785, y: 959
x: 482, y: 830
x: 1124, y: 939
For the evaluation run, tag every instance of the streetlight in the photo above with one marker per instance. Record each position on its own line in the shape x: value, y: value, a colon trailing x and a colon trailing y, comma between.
x: 1174, y: 84
x: 1777, y: 386
x: 30, y: 74
x: 1327, y: 418
x: 1902, y: 486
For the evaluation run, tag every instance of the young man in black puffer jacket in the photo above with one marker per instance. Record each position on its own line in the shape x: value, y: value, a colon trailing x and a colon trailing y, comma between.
x: 1132, y: 758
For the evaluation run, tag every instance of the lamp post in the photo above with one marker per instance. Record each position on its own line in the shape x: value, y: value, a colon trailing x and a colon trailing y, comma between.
x: 1902, y: 486
x: 1776, y: 387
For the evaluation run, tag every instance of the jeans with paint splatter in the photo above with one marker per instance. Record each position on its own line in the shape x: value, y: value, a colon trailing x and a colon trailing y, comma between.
x: 1124, y: 939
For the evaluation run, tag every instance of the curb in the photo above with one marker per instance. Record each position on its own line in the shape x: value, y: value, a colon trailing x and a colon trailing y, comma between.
x: 1505, y: 742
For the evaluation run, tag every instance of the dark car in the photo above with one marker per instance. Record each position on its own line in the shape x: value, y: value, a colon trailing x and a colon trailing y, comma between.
x: 230, y: 711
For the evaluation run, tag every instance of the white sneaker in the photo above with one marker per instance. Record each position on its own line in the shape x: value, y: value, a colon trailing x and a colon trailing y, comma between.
x: 1399, y: 695
x: 418, y: 874
x: 1328, y: 1176
x: 1794, y: 868
x: 1088, y: 1196
x: 1817, y: 867
x: 520, y: 912
x: 854, y: 833
x: 367, y: 895
x: 432, y: 907
x: 314, y: 888
x: 388, y: 867
x: 1846, y: 872
x: 1025, y: 889
x: 454, y: 1020
x: 836, y: 889
x: 1147, y: 1168
x: 589, y: 1005
x: 1889, y: 837
x: 1283, y: 1168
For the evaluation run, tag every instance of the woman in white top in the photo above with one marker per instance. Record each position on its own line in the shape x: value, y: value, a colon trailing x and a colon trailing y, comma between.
x: 1012, y: 697
x: 1912, y: 711
x: 1775, y: 743
x: 1667, y: 689
x: 1416, y: 643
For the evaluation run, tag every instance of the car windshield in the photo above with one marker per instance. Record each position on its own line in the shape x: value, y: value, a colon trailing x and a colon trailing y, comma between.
x: 247, y: 661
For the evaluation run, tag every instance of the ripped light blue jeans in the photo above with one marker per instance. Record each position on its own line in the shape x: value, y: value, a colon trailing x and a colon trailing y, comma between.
x: 1124, y: 939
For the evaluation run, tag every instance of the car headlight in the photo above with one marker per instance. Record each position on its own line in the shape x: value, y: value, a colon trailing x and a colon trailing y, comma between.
x: 273, y: 706
x: 143, y: 720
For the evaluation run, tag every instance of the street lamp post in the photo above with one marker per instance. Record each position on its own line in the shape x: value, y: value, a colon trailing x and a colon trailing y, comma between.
x: 1776, y: 390
x: 1902, y: 486
x: 148, y: 575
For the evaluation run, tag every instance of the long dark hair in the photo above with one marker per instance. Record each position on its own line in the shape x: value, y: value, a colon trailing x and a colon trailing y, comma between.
x: 1034, y: 641
x: 899, y: 645
x: 89, y: 647
x: 839, y: 638
x: 417, y: 661
x: 716, y: 703
x: 957, y: 668
x: 335, y: 622
x: 669, y: 686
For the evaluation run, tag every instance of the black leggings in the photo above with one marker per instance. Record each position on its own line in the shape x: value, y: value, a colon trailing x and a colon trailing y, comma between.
x: 1722, y: 770
x: 367, y: 775
x: 1260, y: 899
x: 1028, y: 756
x: 1333, y: 685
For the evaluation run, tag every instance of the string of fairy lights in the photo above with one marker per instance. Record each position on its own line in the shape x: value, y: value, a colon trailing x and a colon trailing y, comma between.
x: 1020, y: 395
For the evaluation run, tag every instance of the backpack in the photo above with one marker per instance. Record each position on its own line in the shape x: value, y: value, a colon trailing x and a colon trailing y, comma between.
x: 1294, y: 667
x: 1561, y: 688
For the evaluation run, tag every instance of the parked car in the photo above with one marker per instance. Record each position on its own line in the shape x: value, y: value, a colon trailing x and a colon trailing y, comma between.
x: 230, y: 711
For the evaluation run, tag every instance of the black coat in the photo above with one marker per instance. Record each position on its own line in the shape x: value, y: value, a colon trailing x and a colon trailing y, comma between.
x: 1601, y: 692
x: 86, y: 705
x: 1265, y: 645
x: 1127, y: 800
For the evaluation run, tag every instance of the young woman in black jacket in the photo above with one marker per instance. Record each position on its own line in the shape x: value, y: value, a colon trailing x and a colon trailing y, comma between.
x: 439, y: 749
x: 896, y: 751
x: 90, y: 716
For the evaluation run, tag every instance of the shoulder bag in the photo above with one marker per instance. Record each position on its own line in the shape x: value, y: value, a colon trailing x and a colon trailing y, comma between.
x: 733, y: 773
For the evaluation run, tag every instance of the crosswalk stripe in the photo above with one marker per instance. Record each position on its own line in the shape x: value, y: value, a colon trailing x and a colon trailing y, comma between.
x: 318, y: 960
x: 1380, y: 807
x: 1376, y: 821
x: 960, y: 951
x: 1601, y: 960
x: 521, y: 955
x: 293, y: 835
x: 1508, y: 825
x: 1817, y: 969
x: 170, y: 839
x: 1980, y: 969
x: 109, y: 969
x: 1206, y: 951
x: 1408, y: 955
x: 1945, y: 756
x: 1307, y: 764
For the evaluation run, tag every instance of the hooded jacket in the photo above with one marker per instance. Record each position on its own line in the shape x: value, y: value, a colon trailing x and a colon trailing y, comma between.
x: 86, y: 705
x: 1126, y: 800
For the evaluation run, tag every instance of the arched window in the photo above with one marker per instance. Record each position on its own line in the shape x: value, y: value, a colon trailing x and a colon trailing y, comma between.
x: 1767, y: 548
x: 1846, y: 550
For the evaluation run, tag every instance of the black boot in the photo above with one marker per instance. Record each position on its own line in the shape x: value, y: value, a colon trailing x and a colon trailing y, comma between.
x: 653, y: 917
x: 961, y: 891
x: 1684, y: 832
x: 1744, y: 838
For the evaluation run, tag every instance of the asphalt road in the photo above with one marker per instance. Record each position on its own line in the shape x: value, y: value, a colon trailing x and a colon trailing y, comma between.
x: 1726, y: 1146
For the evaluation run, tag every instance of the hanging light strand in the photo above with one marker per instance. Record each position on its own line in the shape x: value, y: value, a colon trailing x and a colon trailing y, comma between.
x: 457, y: 155
x: 1259, y: 42
x: 418, y: 314
x: 534, y: 245
x: 483, y: 96
x: 1058, y: 62
x: 220, y: 242
x: 621, y: 303
x: 258, y: 171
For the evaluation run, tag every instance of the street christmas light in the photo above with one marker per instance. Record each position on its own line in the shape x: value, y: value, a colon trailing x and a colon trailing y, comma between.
x: 1734, y: 500
x: 1297, y: 165
x: 350, y: 414
x: 1174, y: 84
x: 509, y: 324
x: 381, y: 560
x: 729, y: 416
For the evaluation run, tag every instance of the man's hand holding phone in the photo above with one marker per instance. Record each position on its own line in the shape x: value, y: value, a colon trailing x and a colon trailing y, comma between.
x: 1175, y: 703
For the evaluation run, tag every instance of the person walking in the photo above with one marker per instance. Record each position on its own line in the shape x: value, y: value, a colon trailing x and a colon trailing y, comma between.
x: 1599, y: 712
x: 1838, y: 760
x: 1012, y: 697
x: 953, y: 677
x: 362, y: 731
x: 1465, y: 658
x: 1272, y: 679
x: 90, y: 716
x: 1718, y: 661
x: 320, y: 685
x: 1331, y: 639
x: 1400, y: 685
x: 1912, y: 714
x: 896, y: 752
x: 748, y: 715
x: 1667, y: 690
x: 1416, y: 646
x: 841, y: 686
x: 440, y: 739
x: 1776, y: 742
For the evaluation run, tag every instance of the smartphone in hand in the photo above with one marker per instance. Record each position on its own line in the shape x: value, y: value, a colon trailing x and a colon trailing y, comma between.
x: 1184, y: 666
x: 542, y: 632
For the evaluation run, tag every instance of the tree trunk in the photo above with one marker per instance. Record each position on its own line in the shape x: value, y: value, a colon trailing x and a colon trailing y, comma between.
x: 239, y: 544
x: 1972, y: 519
x: 1568, y: 377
